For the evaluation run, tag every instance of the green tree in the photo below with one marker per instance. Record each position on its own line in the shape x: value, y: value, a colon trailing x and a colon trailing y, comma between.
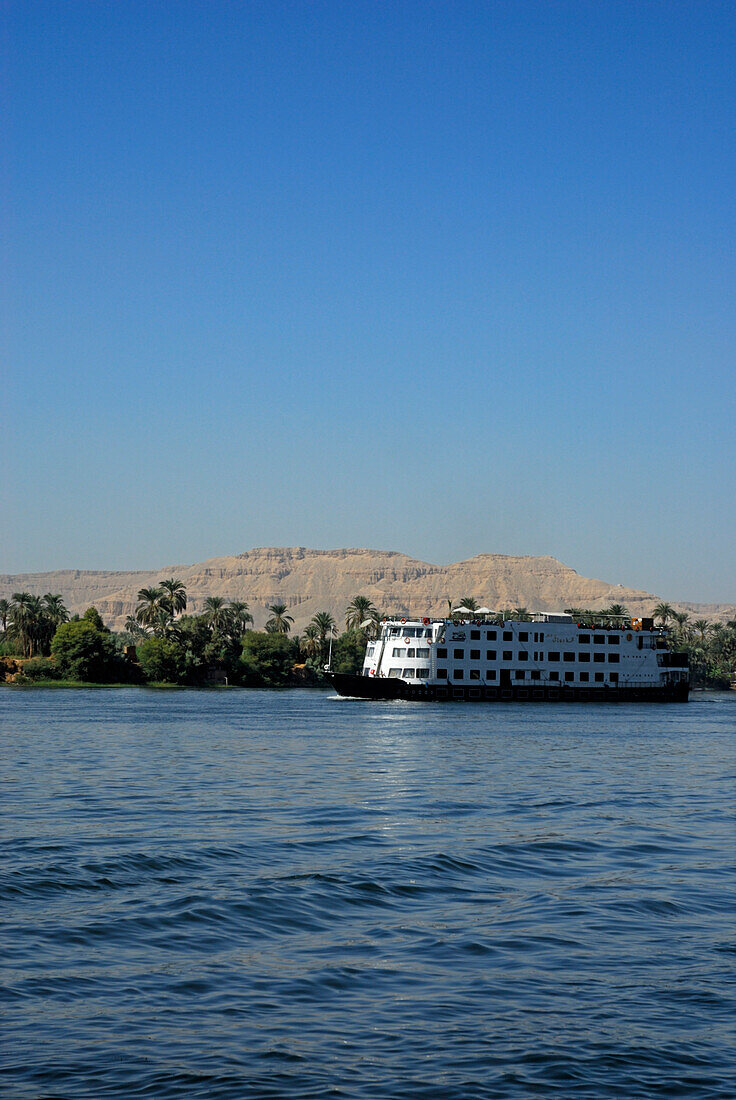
x: 326, y: 629
x: 267, y: 659
x: 348, y: 652
x: 663, y: 612
x: 216, y: 614
x: 241, y: 618
x: 280, y: 622
x: 310, y: 642
x: 83, y: 652
x: 153, y: 610
x: 360, y: 610
x: 162, y: 660
x: 174, y: 596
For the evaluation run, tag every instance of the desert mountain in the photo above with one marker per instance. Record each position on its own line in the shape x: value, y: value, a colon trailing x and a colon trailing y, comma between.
x: 308, y: 581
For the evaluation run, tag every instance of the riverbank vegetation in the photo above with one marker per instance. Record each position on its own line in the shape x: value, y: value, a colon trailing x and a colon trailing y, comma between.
x: 163, y: 644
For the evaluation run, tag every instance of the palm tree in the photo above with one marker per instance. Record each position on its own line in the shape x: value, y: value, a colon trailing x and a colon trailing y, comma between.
x: 4, y: 612
x: 55, y: 608
x: 325, y: 625
x: 663, y: 612
x: 681, y: 618
x: 175, y: 595
x: 358, y: 610
x: 151, y: 602
x: 280, y: 622
x: 617, y: 611
x: 216, y: 614
x: 240, y: 616
x: 22, y: 615
x: 134, y: 628
x: 310, y: 643
x: 703, y: 627
x: 522, y: 614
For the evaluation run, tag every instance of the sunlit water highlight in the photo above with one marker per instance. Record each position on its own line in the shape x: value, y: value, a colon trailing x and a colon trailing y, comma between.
x: 253, y: 894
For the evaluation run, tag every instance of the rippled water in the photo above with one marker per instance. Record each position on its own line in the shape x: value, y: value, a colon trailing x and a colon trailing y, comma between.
x: 253, y: 894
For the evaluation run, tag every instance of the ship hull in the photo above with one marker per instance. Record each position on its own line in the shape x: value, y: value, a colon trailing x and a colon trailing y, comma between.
x: 369, y: 687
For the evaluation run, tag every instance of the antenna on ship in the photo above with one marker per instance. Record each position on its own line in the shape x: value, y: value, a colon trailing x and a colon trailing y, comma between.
x: 328, y: 666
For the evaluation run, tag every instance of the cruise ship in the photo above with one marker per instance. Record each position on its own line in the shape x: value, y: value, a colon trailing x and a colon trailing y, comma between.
x: 551, y: 657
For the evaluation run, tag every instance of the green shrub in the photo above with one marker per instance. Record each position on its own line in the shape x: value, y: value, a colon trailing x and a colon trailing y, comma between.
x: 267, y: 659
x: 162, y: 660
x: 40, y: 668
x: 82, y: 652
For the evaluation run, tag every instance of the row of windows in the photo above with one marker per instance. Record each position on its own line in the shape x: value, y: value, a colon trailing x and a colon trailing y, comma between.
x: 521, y: 674
x: 522, y: 655
x: 420, y: 652
x: 409, y: 673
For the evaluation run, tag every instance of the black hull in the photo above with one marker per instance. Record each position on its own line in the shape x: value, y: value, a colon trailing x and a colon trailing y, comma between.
x: 370, y: 687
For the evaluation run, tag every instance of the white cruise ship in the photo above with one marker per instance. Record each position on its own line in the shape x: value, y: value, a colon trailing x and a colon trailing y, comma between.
x: 550, y: 657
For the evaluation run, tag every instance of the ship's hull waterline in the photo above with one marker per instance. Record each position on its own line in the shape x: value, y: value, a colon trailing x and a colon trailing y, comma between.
x: 363, y: 687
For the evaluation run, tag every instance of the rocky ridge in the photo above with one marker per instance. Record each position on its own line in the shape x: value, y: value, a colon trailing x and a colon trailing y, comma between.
x: 308, y: 581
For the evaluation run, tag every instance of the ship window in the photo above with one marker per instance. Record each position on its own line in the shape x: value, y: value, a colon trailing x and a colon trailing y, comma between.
x: 475, y: 635
x: 584, y: 657
x: 457, y: 674
x: 536, y: 674
x: 393, y: 673
x: 614, y: 639
x: 523, y: 635
x: 568, y: 656
x: 520, y: 674
x: 491, y: 635
x: 598, y: 657
x: 475, y: 674
x: 458, y: 654
x: 490, y: 655
x: 423, y: 673
x: 441, y: 673
x: 613, y: 677
x: 599, y: 639
x: 508, y: 655
x: 398, y: 652
x: 584, y: 639
x: 423, y: 652
x: 408, y: 673
x: 475, y: 655
x: 584, y: 677
x: 541, y: 636
x: 441, y: 652
x: 554, y: 675
x: 491, y: 674
x: 599, y: 677
x: 523, y: 655
x: 553, y: 655
x: 614, y: 658
x: 569, y: 676
x: 411, y: 652
x: 507, y: 635
x: 428, y: 632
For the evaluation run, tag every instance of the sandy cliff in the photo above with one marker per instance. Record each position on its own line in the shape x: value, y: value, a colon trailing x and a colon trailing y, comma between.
x: 308, y: 581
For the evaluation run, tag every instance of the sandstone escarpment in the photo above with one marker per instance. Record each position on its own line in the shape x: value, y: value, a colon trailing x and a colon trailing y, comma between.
x: 308, y: 581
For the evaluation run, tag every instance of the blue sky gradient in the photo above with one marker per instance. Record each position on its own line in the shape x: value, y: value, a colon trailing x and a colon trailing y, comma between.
x: 445, y: 278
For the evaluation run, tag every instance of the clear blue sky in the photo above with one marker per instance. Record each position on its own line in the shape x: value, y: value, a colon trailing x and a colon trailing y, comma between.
x: 444, y: 278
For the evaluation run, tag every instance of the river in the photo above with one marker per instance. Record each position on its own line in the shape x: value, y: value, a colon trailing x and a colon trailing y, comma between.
x: 287, y: 894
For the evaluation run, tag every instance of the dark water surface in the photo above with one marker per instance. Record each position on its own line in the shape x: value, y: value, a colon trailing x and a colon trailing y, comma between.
x: 252, y: 894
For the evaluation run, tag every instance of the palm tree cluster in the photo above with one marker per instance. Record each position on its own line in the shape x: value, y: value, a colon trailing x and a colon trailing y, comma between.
x: 710, y: 646
x: 159, y: 612
x: 613, y: 616
x: 29, y: 622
